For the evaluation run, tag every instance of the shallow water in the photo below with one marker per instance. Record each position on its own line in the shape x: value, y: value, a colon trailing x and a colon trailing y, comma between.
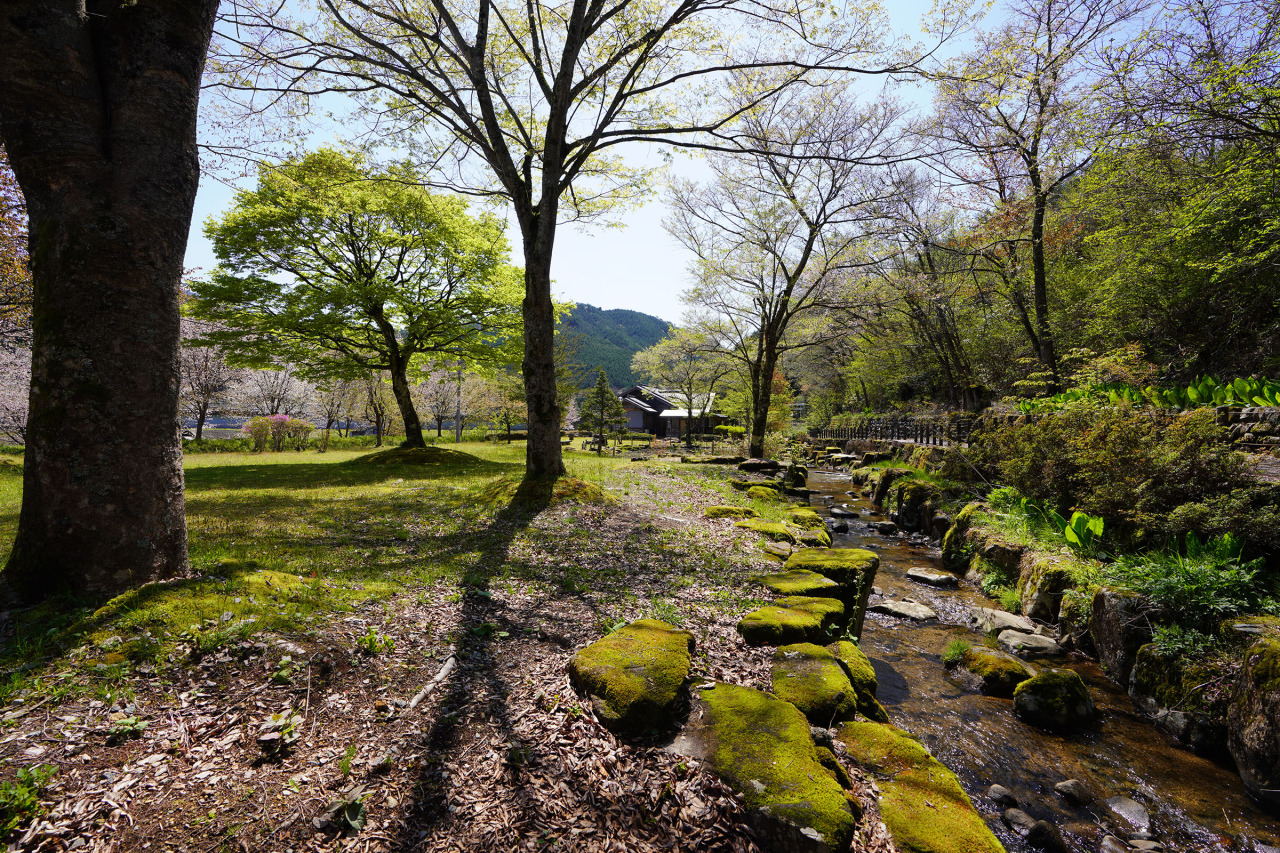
x: 1195, y: 804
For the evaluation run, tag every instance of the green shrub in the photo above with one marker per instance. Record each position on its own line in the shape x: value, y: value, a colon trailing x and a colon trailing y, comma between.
x: 954, y: 652
x: 218, y: 445
x: 20, y: 799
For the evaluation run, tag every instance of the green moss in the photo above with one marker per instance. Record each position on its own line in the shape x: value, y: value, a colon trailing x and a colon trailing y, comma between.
x: 862, y: 675
x: 805, y: 519
x: 416, y: 456
x: 828, y: 760
x: 921, y: 801
x: 1054, y: 699
x: 775, y: 530
x: 1000, y: 673
x: 762, y: 493
x: 761, y: 746
x: 634, y: 674
x: 729, y: 512
x: 809, y: 677
x: 814, y: 538
x: 1175, y: 682
x: 955, y: 542
x: 746, y: 485
x: 843, y: 565
x: 801, y: 582
x: 794, y: 619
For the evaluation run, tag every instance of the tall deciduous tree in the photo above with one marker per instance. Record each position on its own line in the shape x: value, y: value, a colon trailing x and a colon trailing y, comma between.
x: 525, y: 101
x: 777, y: 234
x: 98, y: 115
x: 339, y: 269
x: 1017, y: 117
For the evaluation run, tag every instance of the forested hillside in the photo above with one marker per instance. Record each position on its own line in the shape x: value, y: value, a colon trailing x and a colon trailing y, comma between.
x: 608, y: 338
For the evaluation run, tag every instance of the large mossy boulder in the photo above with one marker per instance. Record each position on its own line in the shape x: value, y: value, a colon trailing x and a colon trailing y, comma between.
x: 1055, y: 699
x: 1170, y: 690
x: 745, y: 485
x: 855, y: 568
x: 794, y: 619
x: 862, y: 675
x: 1042, y: 581
x: 762, y: 748
x: 762, y: 493
x: 814, y: 538
x: 999, y: 673
x: 809, y: 677
x: 802, y: 582
x: 805, y: 518
x: 729, y: 512
x: 881, y: 485
x: 634, y: 674
x: 921, y: 801
x: 775, y: 530
x: 917, y: 503
x: 1120, y: 624
x: 1253, y: 721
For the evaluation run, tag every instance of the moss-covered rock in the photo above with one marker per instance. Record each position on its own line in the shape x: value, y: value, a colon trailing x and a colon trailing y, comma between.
x: 794, y: 619
x: 828, y: 760
x: 634, y: 674
x: 1042, y: 581
x: 814, y: 538
x: 762, y: 748
x: 1055, y: 699
x: 1119, y: 624
x: 917, y: 502
x: 730, y: 512
x: 1172, y: 691
x: 921, y: 801
x: 1253, y: 721
x: 802, y: 582
x: 1001, y: 673
x: 775, y: 530
x: 883, y: 483
x: 712, y: 460
x: 862, y: 675
x: 855, y: 568
x: 745, y: 485
x: 762, y: 493
x: 809, y: 677
x: 955, y: 542
x: 805, y: 519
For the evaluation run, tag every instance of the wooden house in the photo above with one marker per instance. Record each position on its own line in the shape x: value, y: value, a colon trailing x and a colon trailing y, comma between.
x: 664, y: 413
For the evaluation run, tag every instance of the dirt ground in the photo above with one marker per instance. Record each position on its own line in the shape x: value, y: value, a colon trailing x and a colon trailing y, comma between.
x: 441, y: 720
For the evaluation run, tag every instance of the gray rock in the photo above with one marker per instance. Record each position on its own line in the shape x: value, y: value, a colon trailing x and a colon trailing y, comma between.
x: 932, y: 578
x: 1045, y: 836
x: 1029, y: 645
x: 1148, y: 845
x: 1018, y: 820
x: 1253, y: 722
x: 904, y: 610
x: 837, y: 526
x: 885, y: 528
x: 1130, y: 815
x: 1056, y: 699
x: 1119, y: 625
x: 1074, y: 792
x: 759, y: 465
x: 1111, y: 844
x: 1002, y: 796
x: 844, y: 512
x: 994, y: 621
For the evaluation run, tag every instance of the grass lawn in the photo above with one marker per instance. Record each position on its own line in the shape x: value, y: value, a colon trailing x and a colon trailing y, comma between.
x: 335, y: 588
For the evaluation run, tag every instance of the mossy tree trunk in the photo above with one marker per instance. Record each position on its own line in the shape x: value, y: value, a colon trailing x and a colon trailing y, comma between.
x: 98, y: 114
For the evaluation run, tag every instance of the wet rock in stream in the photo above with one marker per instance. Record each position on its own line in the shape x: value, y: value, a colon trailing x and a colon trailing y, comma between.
x: 925, y: 576
x: 1028, y: 645
x: 1074, y: 792
x: 1055, y: 699
x: 903, y: 610
x: 990, y: 621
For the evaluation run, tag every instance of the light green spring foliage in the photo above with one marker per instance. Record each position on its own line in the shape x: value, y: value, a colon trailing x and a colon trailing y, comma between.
x: 342, y: 268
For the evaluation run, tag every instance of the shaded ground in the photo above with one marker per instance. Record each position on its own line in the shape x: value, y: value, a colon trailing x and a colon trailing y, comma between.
x: 342, y: 593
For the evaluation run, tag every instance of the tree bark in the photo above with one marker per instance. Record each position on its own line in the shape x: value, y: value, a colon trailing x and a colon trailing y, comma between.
x: 404, y: 400
x: 203, y: 411
x: 1040, y: 289
x: 543, y: 461
x: 98, y: 114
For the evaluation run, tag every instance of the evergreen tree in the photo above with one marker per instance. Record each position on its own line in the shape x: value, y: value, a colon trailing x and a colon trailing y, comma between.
x: 601, y: 409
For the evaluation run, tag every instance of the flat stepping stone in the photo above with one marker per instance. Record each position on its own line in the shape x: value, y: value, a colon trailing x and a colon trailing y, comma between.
x: 837, y: 526
x: 842, y: 565
x: 1028, y: 645
x: 775, y: 530
x: 814, y: 538
x: 904, y: 610
x: 1000, y: 673
x: 921, y: 801
x: 844, y: 512
x: 762, y: 748
x: 759, y: 465
x: 805, y: 519
x: 777, y: 549
x: 809, y: 677
x: 634, y: 674
x: 794, y: 619
x: 802, y: 582
x: 729, y: 512
x: 919, y: 574
x: 991, y: 621
x: 711, y: 460
x: 744, y: 485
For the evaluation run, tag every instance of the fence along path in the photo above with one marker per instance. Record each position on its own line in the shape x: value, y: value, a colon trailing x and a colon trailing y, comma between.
x: 953, y: 429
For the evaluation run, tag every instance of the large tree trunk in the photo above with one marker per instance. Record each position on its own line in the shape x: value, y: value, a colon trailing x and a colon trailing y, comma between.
x: 98, y: 114
x: 543, y: 461
x: 409, y: 412
x: 1040, y: 290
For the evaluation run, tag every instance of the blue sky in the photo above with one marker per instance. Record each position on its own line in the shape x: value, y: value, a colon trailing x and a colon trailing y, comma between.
x: 638, y: 266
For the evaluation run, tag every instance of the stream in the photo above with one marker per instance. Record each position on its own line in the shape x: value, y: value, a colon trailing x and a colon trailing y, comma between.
x: 1194, y: 804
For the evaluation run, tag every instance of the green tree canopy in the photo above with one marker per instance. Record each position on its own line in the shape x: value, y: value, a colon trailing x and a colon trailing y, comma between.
x: 342, y: 269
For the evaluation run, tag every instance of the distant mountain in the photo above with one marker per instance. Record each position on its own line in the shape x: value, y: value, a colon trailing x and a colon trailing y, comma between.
x: 609, y: 338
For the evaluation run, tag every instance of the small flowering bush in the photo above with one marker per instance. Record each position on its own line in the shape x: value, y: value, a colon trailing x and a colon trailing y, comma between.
x: 277, y: 432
